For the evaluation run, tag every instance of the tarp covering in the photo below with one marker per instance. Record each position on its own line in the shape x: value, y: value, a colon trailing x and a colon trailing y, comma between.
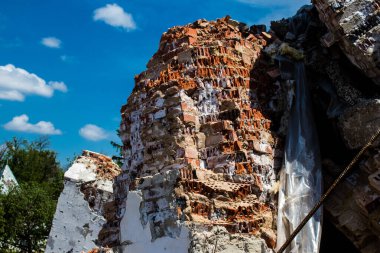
x: 300, y: 177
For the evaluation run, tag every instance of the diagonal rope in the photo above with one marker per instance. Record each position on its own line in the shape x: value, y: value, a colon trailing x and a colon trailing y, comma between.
x: 328, y: 192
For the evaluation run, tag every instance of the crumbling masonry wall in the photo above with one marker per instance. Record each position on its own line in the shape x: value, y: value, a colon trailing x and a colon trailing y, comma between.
x: 199, y: 150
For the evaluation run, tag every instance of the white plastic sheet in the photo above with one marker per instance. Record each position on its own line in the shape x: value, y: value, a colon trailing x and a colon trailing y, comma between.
x: 300, y: 177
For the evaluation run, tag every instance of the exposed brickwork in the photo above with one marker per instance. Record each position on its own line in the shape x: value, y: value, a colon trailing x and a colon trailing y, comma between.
x: 196, y: 137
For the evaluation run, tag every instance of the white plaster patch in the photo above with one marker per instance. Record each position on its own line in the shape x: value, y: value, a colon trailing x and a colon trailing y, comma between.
x: 105, y: 185
x: 207, y: 101
x: 78, y: 172
x: 139, y: 238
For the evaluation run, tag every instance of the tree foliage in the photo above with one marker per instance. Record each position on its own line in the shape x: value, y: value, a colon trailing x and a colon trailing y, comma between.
x: 118, y: 159
x: 26, y: 212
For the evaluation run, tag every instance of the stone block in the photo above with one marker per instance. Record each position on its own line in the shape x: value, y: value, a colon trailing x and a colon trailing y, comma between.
x: 187, y: 139
x: 191, y: 32
x: 213, y: 140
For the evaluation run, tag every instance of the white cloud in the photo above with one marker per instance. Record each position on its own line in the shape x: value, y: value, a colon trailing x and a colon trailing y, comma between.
x: 21, y: 124
x: 115, y: 15
x: 93, y: 133
x: 61, y: 86
x: 16, y: 83
x: 12, y: 95
x: 51, y: 42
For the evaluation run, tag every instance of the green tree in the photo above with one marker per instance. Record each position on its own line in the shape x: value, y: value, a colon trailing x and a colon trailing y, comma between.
x: 34, y: 162
x: 26, y: 212
x: 118, y: 159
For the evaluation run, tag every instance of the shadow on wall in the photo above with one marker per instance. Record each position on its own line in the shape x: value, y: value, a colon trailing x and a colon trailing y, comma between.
x: 333, y: 239
x: 376, y: 54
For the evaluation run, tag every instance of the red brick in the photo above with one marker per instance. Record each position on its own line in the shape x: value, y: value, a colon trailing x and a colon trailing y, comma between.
x: 189, y: 117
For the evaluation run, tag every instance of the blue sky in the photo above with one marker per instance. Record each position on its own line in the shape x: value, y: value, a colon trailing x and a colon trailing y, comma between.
x: 67, y: 66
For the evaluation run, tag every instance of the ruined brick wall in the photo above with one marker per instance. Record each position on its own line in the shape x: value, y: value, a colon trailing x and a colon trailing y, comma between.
x: 198, y: 132
x: 199, y: 150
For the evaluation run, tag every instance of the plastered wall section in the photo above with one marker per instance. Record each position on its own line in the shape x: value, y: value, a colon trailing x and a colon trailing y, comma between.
x: 76, y: 224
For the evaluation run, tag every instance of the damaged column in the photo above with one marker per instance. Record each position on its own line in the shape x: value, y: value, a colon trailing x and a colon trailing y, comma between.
x: 199, y: 150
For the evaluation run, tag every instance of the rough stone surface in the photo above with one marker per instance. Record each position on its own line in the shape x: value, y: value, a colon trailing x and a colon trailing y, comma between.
x: 352, y: 108
x: 355, y: 26
x: 359, y: 123
x: 219, y: 240
x: 355, y: 205
x: 80, y: 216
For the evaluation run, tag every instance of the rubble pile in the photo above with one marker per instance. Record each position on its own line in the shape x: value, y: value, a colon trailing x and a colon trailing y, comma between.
x: 197, y: 136
x: 85, y: 205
